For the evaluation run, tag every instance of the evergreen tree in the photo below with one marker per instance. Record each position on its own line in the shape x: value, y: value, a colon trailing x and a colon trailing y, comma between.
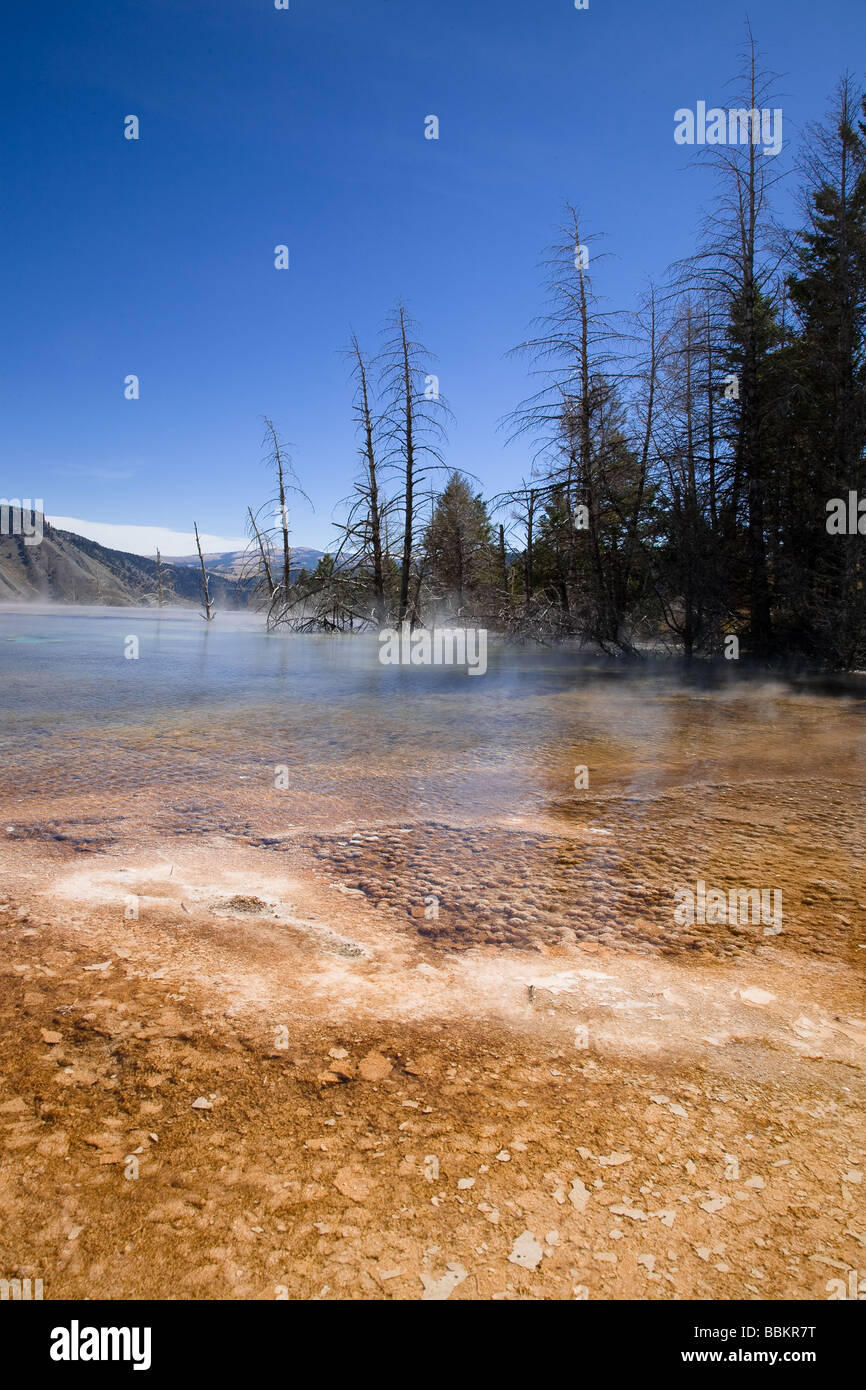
x: 458, y: 543
x: 827, y: 362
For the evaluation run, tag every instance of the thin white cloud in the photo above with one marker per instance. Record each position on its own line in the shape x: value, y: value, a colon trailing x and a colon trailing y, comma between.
x: 144, y: 540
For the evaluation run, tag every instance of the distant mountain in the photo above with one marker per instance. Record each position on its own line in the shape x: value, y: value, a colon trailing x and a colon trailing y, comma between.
x: 72, y: 569
x: 237, y: 564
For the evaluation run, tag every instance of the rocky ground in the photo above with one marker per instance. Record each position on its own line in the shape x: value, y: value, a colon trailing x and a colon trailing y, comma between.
x: 250, y: 1066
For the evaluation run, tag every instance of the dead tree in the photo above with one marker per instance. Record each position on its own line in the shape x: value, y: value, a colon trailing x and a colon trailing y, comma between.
x: 281, y: 466
x: 273, y: 542
x: 572, y: 420
x: 263, y: 555
x: 523, y: 503
x: 414, y: 423
x: 207, y: 601
x: 736, y: 270
x: 361, y: 549
x: 503, y: 563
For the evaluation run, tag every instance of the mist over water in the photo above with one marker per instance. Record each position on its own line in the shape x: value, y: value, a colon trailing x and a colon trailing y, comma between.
x: 204, y: 701
x: 470, y: 785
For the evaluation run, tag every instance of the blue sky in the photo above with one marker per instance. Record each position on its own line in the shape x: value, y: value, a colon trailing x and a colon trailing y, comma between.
x: 306, y: 127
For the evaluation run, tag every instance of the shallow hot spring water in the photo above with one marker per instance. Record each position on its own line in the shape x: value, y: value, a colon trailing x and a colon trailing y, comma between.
x: 458, y: 791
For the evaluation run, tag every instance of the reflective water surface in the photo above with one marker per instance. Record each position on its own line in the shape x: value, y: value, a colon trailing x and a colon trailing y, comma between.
x: 468, y: 782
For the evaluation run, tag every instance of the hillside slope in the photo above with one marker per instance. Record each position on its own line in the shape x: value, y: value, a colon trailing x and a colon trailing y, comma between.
x: 236, y: 564
x: 72, y: 569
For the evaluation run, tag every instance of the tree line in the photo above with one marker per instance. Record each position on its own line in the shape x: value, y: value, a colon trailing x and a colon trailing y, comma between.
x: 684, y: 454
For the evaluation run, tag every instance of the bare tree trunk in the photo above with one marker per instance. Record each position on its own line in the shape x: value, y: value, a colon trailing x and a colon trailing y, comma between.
x: 503, y: 566
x: 265, y: 562
x: 690, y: 494
x: 158, y: 577
x: 530, y: 518
x: 415, y: 608
x: 711, y: 427
x: 370, y: 459
x: 749, y: 440
x: 414, y: 419
x: 634, y: 521
x: 206, y: 598
x: 284, y: 515
x: 409, y: 442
